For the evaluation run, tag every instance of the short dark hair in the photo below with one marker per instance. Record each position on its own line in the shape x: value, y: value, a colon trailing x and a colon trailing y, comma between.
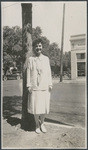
x: 37, y: 41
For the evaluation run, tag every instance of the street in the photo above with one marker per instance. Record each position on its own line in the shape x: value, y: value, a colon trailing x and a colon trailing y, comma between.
x: 67, y: 104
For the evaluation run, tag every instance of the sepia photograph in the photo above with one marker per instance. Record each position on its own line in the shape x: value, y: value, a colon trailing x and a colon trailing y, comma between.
x: 44, y: 75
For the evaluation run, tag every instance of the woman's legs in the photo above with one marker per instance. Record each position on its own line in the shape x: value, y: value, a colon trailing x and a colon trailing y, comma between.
x: 40, y: 125
x: 36, y: 117
x: 42, y: 118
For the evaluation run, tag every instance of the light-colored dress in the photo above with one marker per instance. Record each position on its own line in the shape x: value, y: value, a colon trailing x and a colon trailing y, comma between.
x: 39, y: 78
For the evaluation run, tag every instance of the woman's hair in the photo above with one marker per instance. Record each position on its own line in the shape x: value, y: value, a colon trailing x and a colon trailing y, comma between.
x: 37, y: 41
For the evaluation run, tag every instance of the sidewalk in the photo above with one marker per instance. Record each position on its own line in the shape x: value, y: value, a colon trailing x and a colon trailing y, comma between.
x: 57, y: 136
x: 66, y: 80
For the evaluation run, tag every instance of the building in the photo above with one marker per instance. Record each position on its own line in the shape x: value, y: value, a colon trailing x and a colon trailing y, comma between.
x: 78, y: 56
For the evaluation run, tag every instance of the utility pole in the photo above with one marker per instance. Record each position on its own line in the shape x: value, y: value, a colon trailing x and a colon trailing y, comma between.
x: 26, y: 52
x: 62, y: 43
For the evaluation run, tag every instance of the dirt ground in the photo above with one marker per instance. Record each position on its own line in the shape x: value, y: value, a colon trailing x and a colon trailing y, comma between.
x: 57, y: 136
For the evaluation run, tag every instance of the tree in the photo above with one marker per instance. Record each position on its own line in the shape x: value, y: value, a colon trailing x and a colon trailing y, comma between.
x: 12, y: 49
x: 67, y: 61
x: 36, y: 33
x: 54, y: 54
x: 12, y: 45
x: 46, y: 43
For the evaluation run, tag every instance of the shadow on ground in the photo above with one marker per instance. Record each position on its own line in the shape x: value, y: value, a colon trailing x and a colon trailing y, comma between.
x: 12, y: 109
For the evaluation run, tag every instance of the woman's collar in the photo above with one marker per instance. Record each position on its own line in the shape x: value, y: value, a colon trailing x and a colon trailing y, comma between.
x: 40, y: 57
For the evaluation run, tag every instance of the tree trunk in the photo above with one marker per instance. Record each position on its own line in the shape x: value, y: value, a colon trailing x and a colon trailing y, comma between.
x: 26, y: 52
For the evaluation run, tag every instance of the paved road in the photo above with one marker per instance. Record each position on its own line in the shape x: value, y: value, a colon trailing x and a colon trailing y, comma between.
x: 67, y: 102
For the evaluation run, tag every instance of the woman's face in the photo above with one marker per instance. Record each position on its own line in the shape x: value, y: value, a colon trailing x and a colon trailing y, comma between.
x: 38, y: 49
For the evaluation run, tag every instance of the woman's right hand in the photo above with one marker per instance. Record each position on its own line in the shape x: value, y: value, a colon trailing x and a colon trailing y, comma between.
x: 30, y: 89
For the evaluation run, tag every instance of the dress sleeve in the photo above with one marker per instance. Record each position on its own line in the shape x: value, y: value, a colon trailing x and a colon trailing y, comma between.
x: 49, y: 73
x: 28, y: 74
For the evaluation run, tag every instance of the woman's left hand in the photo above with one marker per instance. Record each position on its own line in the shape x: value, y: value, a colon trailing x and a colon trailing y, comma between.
x: 50, y: 88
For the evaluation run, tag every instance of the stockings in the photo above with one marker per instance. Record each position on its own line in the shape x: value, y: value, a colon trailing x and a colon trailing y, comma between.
x: 39, y: 119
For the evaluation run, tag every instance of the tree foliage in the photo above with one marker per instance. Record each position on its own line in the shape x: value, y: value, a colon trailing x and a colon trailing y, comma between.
x: 12, y: 49
x: 67, y: 61
x: 12, y: 46
x: 54, y: 53
x: 36, y: 33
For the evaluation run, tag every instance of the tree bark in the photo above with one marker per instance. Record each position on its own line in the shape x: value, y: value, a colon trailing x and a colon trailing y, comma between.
x: 26, y: 52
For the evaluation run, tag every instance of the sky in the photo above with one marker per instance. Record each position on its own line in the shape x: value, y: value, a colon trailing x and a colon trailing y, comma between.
x: 48, y: 16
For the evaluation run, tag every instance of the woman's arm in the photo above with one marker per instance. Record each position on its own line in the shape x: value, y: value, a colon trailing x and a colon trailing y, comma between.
x: 49, y: 75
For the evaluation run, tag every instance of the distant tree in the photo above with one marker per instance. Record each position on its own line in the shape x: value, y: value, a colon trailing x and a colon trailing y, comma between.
x: 67, y: 61
x: 12, y: 45
x: 36, y: 33
x: 67, y: 64
x: 46, y: 43
x: 54, y: 54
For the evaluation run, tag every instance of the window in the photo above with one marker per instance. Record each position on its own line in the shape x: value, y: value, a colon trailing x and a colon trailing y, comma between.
x: 80, y: 55
x: 81, y: 69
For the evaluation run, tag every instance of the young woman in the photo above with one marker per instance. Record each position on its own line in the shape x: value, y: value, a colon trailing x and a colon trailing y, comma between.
x: 39, y: 83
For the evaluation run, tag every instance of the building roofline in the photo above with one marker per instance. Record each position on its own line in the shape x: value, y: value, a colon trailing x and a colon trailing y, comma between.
x: 78, y: 35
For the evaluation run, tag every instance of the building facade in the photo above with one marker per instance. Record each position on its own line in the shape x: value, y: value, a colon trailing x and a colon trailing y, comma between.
x: 78, y: 56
